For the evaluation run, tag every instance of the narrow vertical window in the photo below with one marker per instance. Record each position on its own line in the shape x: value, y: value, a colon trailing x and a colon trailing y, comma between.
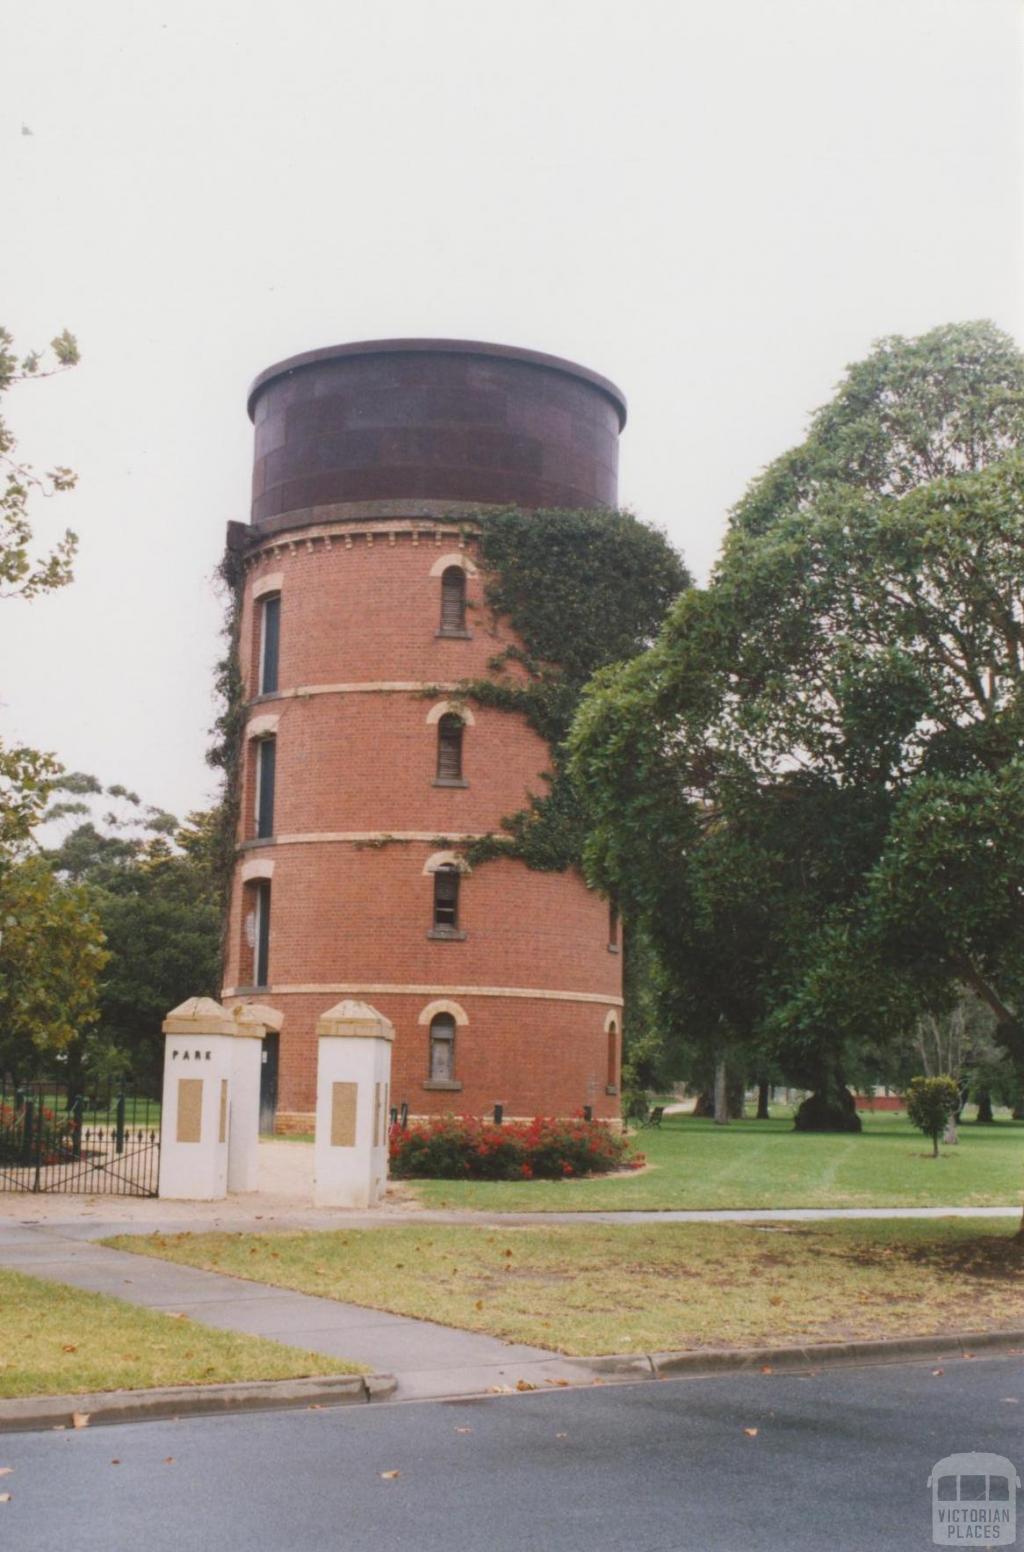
x: 266, y: 765
x: 449, y: 748
x: 453, y: 601
x: 261, y: 952
x: 446, y: 899
x: 613, y: 1055
x: 442, y: 1049
x: 270, y: 643
x: 613, y: 928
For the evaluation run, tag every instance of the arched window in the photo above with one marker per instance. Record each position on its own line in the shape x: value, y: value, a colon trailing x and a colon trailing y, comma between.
x: 270, y: 643
x: 613, y: 1056
x: 449, y: 749
x: 256, y: 922
x: 441, y: 1068
x: 446, y: 899
x: 453, y: 601
x: 266, y: 765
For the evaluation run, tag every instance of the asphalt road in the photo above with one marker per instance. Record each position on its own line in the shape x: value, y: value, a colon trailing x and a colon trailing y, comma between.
x: 840, y: 1461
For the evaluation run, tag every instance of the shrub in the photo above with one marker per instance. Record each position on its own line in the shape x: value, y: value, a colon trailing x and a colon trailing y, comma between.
x: 930, y: 1103
x: 462, y: 1148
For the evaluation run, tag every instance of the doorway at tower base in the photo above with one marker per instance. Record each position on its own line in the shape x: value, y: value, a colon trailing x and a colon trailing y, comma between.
x: 353, y: 1089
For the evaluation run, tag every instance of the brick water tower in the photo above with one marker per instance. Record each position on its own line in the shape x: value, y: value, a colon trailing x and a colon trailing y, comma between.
x: 365, y: 776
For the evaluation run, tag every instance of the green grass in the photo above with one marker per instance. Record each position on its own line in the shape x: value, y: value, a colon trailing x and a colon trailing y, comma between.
x: 751, y: 1163
x: 593, y: 1288
x: 58, y: 1340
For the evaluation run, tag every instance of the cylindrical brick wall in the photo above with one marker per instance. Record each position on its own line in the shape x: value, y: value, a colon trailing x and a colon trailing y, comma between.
x: 367, y: 458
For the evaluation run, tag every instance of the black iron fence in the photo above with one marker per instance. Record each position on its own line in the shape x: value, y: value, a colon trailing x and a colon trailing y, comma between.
x: 101, y: 1139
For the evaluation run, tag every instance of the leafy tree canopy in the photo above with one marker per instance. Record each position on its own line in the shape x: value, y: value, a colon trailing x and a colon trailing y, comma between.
x: 853, y: 669
x: 22, y: 576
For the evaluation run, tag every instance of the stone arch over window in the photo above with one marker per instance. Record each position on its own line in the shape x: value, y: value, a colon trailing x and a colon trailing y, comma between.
x: 257, y: 867
x: 455, y: 708
x: 453, y: 558
x: 444, y: 1005
x: 445, y: 859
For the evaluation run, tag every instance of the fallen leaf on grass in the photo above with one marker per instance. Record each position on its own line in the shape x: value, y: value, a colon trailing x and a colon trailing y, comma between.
x: 750, y: 1432
x: 69, y: 1347
x: 389, y: 1476
x: 81, y: 1419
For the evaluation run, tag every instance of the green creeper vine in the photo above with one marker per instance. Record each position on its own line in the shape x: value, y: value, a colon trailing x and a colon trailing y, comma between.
x: 580, y: 589
x: 225, y: 753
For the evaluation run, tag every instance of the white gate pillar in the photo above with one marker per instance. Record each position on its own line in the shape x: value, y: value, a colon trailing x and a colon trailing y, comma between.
x: 196, y: 1112
x: 252, y: 1020
x: 353, y: 1083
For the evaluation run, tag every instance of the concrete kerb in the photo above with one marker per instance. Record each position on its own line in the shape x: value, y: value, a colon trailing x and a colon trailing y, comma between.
x: 40, y: 1412
x: 31, y: 1413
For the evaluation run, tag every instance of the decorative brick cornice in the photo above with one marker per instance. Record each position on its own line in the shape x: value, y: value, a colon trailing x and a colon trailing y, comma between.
x: 313, y: 535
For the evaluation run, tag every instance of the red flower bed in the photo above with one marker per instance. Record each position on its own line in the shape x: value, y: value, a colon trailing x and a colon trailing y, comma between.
x: 462, y: 1148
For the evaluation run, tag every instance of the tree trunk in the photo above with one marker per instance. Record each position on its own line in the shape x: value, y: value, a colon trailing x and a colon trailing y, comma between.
x: 704, y: 1104
x: 762, y: 1102
x: 721, y: 1095
x: 984, y: 1116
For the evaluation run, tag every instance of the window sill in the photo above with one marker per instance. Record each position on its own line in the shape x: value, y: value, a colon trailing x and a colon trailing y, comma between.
x: 266, y: 695
x: 446, y: 935
x: 257, y: 840
x: 449, y: 781
x: 247, y: 991
x: 611, y: 1088
x: 447, y: 1085
x: 454, y: 635
x: 613, y: 948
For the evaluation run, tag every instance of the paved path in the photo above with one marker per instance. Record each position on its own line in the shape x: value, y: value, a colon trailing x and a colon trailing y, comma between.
x: 427, y: 1359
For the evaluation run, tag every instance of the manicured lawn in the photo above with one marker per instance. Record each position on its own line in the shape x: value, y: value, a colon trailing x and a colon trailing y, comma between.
x: 585, y: 1289
x: 767, y: 1164
x: 58, y: 1340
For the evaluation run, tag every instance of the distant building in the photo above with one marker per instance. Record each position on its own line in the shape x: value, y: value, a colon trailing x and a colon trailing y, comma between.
x: 360, y: 791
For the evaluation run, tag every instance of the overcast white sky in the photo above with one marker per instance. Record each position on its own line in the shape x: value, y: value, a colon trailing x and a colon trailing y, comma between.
x: 717, y: 203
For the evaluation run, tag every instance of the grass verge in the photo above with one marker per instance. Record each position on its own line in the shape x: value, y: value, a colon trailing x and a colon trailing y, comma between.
x: 749, y: 1163
x: 583, y: 1289
x: 59, y: 1340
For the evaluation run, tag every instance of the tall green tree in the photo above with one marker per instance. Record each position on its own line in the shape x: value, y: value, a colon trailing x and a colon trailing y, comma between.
x: 859, y: 646
x: 154, y: 889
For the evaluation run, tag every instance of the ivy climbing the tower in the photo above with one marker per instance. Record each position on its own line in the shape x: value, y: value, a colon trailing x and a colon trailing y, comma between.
x: 580, y: 589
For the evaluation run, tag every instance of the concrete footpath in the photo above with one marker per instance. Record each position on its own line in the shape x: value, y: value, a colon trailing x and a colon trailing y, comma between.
x: 427, y: 1360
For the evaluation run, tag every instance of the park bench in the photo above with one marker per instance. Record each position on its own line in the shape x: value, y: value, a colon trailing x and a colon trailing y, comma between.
x: 654, y: 1116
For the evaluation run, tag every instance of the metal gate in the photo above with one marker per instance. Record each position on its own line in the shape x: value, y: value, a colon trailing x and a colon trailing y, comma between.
x: 101, y: 1140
